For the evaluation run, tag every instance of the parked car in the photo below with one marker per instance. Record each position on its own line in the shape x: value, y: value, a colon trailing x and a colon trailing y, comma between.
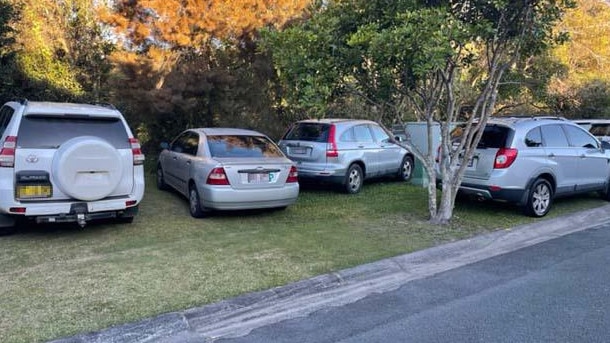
x: 532, y: 161
x: 227, y: 169
x: 599, y: 128
x: 345, y: 152
x: 63, y: 162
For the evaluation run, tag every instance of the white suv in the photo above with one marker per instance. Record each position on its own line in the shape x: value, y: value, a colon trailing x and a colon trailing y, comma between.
x: 63, y: 162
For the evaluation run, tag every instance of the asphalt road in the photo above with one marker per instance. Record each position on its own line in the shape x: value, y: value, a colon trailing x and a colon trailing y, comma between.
x: 555, y: 291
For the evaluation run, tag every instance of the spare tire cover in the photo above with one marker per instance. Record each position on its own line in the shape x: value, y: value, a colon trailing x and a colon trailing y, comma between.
x: 87, y: 168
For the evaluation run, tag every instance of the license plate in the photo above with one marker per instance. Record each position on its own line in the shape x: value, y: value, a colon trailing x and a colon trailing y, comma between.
x: 298, y: 150
x: 259, y: 178
x: 33, y: 191
x: 472, y: 163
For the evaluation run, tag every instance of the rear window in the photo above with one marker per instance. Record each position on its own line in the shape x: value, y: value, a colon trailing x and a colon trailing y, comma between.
x: 312, y: 132
x: 494, y: 136
x: 600, y: 129
x: 242, y: 146
x: 47, y: 132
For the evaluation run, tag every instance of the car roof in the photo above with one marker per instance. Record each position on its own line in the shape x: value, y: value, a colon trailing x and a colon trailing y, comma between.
x: 61, y: 108
x: 591, y: 121
x: 336, y: 121
x: 224, y: 131
x: 525, y: 121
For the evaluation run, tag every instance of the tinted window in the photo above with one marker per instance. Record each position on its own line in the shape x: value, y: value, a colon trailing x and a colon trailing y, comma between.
x: 312, y: 132
x: 580, y: 138
x: 186, y: 143
x: 50, y: 132
x: 600, y: 129
x: 362, y: 133
x: 534, y: 138
x: 242, y: 146
x: 380, y: 134
x: 6, y: 113
x: 348, y: 136
x: 494, y: 136
x: 554, y: 136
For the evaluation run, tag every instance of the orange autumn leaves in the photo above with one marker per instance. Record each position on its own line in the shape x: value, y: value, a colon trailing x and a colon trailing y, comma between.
x: 192, y: 24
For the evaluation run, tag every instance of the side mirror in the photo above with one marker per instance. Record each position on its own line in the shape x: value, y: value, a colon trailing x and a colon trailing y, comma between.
x: 605, y: 145
x: 398, y: 138
x: 164, y: 145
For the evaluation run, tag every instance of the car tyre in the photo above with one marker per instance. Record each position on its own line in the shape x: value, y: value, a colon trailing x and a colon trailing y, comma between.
x: 539, y: 199
x: 195, y: 203
x: 405, y: 173
x: 354, y: 179
x: 161, y: 185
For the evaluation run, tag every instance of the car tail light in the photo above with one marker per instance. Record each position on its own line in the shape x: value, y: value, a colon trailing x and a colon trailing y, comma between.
x: 136, y: 150
x: 218, y: 177
x: 18, y: 210
x: 7, y: 153
x: 293, y: 175
x: 331, y: 146
x: 504, y: 158
x: 130, y: 203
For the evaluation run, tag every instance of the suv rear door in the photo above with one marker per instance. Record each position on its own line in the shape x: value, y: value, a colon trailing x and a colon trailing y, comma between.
x: 494, y: 137
x: 562, y: 156
x: 390, y: 154
x: 593, y: 168
x: 40, y: 138
x: 306, y: 142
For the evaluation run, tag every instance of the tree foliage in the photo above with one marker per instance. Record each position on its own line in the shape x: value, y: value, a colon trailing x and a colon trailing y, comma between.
x: 8, y: 15
x: 581, y: 91
x: 437, y: 58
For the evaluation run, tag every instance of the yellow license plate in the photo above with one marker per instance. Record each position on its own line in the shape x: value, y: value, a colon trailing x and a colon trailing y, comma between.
x: 33, y: 191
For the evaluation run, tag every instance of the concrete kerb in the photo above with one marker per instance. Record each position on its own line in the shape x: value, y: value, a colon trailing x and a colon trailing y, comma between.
x: 238, y: 316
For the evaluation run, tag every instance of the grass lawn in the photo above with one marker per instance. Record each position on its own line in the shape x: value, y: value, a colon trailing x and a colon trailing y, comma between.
x: 62, y: 280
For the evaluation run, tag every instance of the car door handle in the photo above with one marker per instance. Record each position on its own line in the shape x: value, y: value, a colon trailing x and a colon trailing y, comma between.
x: 551, y: 155
x: 360, y: 146
x: 583, y: 156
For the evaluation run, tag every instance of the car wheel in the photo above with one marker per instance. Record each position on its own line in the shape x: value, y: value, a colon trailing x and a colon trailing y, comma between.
x: 160, y: 179
x: 539, y: 199
x: 405, y: 173
x: 605, y: 194
x: 195, y: 203
x: 354, y: 179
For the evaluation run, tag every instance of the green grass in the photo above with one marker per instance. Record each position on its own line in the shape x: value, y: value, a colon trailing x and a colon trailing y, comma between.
x: 62, y: 280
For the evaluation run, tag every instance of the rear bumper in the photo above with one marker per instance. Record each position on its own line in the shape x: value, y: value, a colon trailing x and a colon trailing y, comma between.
x: 85, y: 216
x: 509, y: 195
x: 512, y: 195
x: 323, y: 175
x: 227, y: 198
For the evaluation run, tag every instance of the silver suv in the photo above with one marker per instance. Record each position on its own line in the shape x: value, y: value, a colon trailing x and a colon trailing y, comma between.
x: 531, y: 161
x: 62, y: 162
x: 345, y: 152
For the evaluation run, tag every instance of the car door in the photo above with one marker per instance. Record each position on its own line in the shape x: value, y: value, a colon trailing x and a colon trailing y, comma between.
x: 368, y: 149
x: 178, y: 159
x: 390, y: 154
x: 593, y: 168
x: 562, y: 158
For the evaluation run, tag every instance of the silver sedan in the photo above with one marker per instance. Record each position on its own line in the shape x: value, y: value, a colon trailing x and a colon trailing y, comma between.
x: 227, y: 169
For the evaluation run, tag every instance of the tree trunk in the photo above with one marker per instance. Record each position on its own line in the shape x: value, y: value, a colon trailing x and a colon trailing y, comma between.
x: 445, y: 209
